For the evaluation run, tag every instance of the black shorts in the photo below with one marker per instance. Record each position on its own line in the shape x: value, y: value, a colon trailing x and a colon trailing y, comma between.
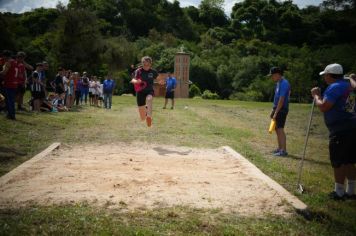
x: 21, y: 89
x: 91, y: 94
x: 37, y: 95
x: 170, y: 95
x: 141, y: 97
x: 59, y: 91
x: 280, y: 119
x: 342, y: 148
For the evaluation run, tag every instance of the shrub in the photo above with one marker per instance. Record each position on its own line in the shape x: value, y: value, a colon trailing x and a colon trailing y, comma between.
x: 194, y: 91
x: 209, y: 95
x: 249, y: 95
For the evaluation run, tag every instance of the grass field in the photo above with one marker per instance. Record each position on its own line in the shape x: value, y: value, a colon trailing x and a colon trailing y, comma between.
x: 194, y: 123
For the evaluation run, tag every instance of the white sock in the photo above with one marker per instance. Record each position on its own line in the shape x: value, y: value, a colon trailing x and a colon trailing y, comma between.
x: 351, y: 184
x: 339, y: 189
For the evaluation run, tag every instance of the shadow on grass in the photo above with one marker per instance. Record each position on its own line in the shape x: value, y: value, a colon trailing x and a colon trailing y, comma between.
x: 9, y: 153
x: 307, y: 160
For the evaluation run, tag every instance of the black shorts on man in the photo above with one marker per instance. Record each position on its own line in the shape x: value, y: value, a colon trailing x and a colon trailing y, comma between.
x: 342, y: 148
x: 280, y: 119
x: 170, y: 95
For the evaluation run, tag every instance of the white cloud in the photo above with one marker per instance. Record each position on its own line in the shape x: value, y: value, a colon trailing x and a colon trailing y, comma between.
x: 20, y: 6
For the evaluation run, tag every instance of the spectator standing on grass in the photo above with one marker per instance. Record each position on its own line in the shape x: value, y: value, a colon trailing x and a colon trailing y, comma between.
x: 341, y: 124
x: 43, y: 78
x: 37, y: 88
x: 280, y: 109
x: 85, y: 88
x: 171, y: 84
x: 77, y: 88
x: 9, y: 74
x: 71, y: 92
x: 58, y: 84
x: 108, y: 89
x: 66, y: 77
x: 21, y: 79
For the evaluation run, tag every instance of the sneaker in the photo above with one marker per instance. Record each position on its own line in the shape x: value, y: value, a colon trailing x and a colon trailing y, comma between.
x: 163, y: 107
x: 275, y: 151
x: 334, y: 196
x: 281, y: 153
x: 148, y: 121
x: 172, y: 108
x: 350, y: 197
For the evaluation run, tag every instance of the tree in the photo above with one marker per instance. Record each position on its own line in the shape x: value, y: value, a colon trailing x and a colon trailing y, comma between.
x: 78, y: 42
x: 211, y: 13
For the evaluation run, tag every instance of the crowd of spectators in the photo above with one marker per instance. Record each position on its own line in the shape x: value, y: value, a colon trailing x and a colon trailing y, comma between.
x: 61, y: 93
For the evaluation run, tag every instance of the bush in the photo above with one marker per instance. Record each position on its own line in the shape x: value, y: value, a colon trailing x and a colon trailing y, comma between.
x: 249, y: 95
x: 209, y: 95
x: 194, y: 91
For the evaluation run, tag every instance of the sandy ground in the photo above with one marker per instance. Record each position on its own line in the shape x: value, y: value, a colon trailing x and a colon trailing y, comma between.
x: 141, y: 176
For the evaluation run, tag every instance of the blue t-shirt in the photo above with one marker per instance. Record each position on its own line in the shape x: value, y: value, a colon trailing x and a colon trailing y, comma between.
x: 339, y: 118
x: 282, y: 90
x: 170, y: 83
x: 108, y: 86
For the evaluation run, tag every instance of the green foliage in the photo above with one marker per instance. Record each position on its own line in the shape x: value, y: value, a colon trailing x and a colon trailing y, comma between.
x: 228, y: 56
x: 207, y: 94
x: 194, y: 91
x: 78, y: 41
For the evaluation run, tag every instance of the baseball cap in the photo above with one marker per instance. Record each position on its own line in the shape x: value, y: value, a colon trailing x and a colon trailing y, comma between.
x: 274, y: 70
x: 335, y: 69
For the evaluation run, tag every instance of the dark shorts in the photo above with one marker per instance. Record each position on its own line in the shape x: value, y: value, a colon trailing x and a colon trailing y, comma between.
x: 38, y: 95
x: 280, y: 119
x: 170, y: 95
x: 141, y: 97
x: 59, y: 91
x: 21, y: 89
x: 342, y: 149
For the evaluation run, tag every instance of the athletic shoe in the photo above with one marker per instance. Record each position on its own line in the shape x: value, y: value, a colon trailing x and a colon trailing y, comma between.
x: 148, y: 121
x: 281, y: 153
x: 275, y: 151
x: 334, y: 196
x: 163, y: 107
x: 172, y: 108
x: 350, y: 197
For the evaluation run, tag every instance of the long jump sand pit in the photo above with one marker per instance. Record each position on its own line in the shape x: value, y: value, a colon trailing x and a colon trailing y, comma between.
x: 144, y: 176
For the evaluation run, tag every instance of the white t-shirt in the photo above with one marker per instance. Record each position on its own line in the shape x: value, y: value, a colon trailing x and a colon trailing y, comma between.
x: 65, y: 82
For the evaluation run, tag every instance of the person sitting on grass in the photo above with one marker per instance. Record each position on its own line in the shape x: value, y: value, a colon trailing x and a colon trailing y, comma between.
x: 58, y: 102
x: 341, y: 124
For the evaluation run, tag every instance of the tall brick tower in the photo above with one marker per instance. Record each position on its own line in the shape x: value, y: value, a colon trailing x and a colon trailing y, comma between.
x: 181, y: 72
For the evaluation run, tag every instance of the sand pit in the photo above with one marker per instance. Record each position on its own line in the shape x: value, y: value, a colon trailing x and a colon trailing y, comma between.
x: 140, y: 176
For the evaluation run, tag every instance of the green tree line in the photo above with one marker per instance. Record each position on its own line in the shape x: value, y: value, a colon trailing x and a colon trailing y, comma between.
x: 230, y: 55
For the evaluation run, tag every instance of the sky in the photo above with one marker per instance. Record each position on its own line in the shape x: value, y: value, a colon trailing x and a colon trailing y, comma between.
x: 20, y: 6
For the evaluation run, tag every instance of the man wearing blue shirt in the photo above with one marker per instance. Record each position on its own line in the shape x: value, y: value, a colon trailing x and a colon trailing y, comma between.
x: 280, y: 109
x: 341, y: 123
x: 171, y: 85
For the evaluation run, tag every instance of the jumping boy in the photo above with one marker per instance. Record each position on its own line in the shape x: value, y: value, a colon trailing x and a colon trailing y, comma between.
x: 143, y: 82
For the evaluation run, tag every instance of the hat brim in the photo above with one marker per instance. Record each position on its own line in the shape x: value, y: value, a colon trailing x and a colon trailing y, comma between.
x: 322, y: 73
